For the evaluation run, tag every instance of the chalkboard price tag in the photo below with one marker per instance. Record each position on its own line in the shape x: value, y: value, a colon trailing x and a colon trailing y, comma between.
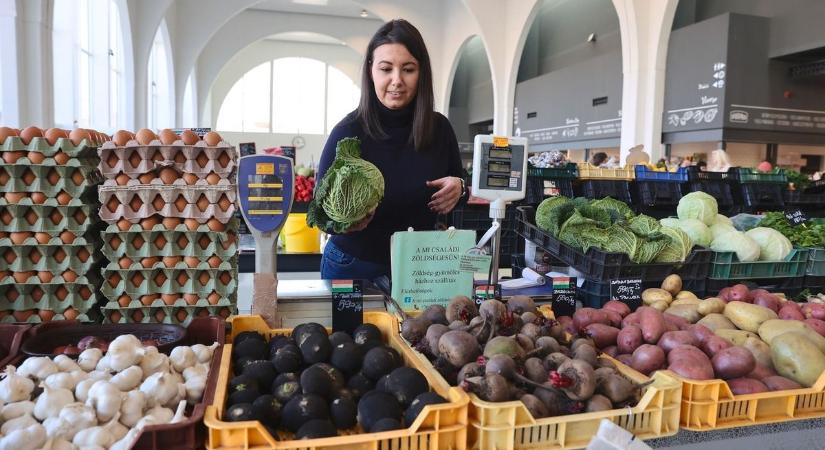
x: 796, y: 216
x: 627, y: 291
x: 347, y: 305
x: 564, y: 302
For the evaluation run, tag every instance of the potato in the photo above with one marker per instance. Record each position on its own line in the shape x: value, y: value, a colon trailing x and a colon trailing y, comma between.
x: 602, y: 335
x: 689, y: 362
x: 625, y: 359
x: 631, y: 319
x: 679, y: 322
x: 772, y: 328
x: 614, y: 319
x: 742, y: 386
x: 714, y: 345
x: 672, y: 284
x: 761, y: 372
x: 794, y: 356
x: 629, y: 339
x: 701, y: 332
x: 766, y: 300
x: 647, y: 359
x: 673, y: 339
x: 813, y: 311
x: 660, y: 306
x: 685, y: 295
x: 619, y: 307
x: 715, y: 321
x: 735, y: 337
x: 585, y: 316
x: 747, y: 316
x: 791, y: 311
x: 816, y: 325
x: 611, y: 351
x: 778, y: 383
x: 652, y: 324
x: 687, y: 312
x: 733, y: 362
x: 760, y: 350
x: 711, y: 305
x: 653, y: 295
x: 685, y: 301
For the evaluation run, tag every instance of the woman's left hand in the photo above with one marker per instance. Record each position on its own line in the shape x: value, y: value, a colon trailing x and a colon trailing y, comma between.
x: 445, y: 199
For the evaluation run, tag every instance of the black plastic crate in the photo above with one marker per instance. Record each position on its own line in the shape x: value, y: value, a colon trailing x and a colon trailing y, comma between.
x: 596, y: 189
x: 597, y: 265
x: 790, y: 286
x: 658, y: 193
x: 803, y: 198
x: 594, y: 294
x: 535, y: 190
x: 695, y: 174
x: 720, y: 190
x: 477, y: 217
x: 763, y: 195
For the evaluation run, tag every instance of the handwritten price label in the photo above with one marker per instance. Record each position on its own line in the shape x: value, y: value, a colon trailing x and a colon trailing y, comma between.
x: 347, y: 305
x: 627, y: 291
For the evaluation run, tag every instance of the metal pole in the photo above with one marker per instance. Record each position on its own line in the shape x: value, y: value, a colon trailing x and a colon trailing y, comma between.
x: 495, y: 249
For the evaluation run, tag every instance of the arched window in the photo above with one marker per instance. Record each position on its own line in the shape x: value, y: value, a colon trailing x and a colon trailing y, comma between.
x: 160, y: 104
x: 288, y: 96
x: 189, y: 113
x: 87, y: 49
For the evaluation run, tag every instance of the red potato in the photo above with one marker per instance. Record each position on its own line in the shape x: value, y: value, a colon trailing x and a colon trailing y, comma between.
x: 669, y: 326
x: 733, y: 362
x: 611, y: 351
x: 742, y: 386
x: 777, y: 383
x: 647, y: 359
x: 673, y: 339
x: 817, y: 325
x: 714, y: 345
x: 740, y: 293
x: 567, y: 323
x: 724, y: 294
x: 585, y: 316
x: 813, y: 311
x: 652, y: 324
x: 761, y: 372
x: 602, y: 335
x: 625, y: 359
x: 680, y: 322
x: 614, y: 318
x: 619, y: 307
x: 701, y: 332
x: 631, y: 319
x: 790, y: 311
x: 629, y: 339
x: 689, y: 362
x: 767, y: 300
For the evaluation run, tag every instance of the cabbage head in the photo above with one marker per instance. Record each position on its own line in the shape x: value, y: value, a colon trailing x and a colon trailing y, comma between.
x: 773, y: 245
x: 552, y: 212
x: 698, y: 205
x: 722, y: 219
x: 698, y: 232
x: 350, y: 189
x: 671, y: 222
x: 677, y: 248
x: 718, y: 229
x: 736, y: 241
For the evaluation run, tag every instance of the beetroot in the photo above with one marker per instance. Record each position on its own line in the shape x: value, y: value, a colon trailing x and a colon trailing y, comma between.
x: 503, y: 345
x: 576, y: 378
x: 436, y: 314
x: 492, y: 387
x: 461, y: 308
x: 536, y: 407
x: 616, y: 387
x: 471, y: 369
x: 599, y: 402
x: 414, y: 329
x: 458, y: 348
x: 519, y: 304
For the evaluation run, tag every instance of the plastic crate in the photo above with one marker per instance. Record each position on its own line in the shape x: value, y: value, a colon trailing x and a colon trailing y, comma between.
x: 763, y: 195
x: 442, y: 426
x: 790, y: 286
x: 657, y: 193
x: 588, y: 171
x: 569, y: 172
x: 816, y: 262
x: 747, y: 175
x: 643, y: 173
x: 802, y: 198
x: 597, y: 265
x: 726, y: 266
x: 536, y: 189
x: 69, y: 332
x: 190, y: 433
x: 594, y: 294
x: 11, y: 336
x: 720, y: 190
x: 695, y: 174
x: 470, y: 217
x: 617, y: 189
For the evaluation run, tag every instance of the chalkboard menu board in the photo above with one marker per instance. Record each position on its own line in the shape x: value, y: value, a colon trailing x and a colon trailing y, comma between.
x: 796, y: 216
x: 347, y: 305
x: 627, y: 291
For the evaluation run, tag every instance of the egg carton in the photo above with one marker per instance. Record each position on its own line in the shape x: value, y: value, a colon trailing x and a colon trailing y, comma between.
x: 27, y: 159
x: 158, y: 301
x: 83, y: 150
x: 79, y: 219
x: 49, y: 180
x: 178, y: 180
x: 165, y: 314
x: 49, y: 302
x: 49, y: 258
x: 143, y: 244
x: 137, y: 282
x: 90, y: 316
x: 139, y: 202
x: 54, y: 241
x: 135, y: 160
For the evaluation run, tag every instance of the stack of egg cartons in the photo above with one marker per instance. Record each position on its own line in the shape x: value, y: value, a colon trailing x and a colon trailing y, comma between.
x: 48, y: 224
x: 172, y: 239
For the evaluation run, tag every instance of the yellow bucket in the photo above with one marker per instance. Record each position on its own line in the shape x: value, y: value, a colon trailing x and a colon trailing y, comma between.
x: 298, y: 237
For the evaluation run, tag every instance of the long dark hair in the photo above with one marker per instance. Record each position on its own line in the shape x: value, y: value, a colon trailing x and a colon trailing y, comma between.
x: 399, y: 31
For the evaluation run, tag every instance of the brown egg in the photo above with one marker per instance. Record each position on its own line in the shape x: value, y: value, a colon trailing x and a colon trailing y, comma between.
x: 170, y: 223
x: 78, y: 135
x: 19, y: 237
x: 148, y: 223
x: 12, y: 295
x: 191, y: 261
x: 121, y: 138
x: 23, y: 316
x: 15, y: 197
x: 224, y: 203
x: 36, y: 157
x: 63, y: 198
x: 36, y: 294
x: 45, y: 276
x: 168, y: 175
x: 53, y: 134
x: 213, y: 178
x: 191, y: 224
x: 215, y: 225
x: 67, y: 237
x: 159, y: 316
x: 148, y: 263
x: 190, y: 299
x: 190, y: 178
x: 84, y: 292
x: 12, y: 157
x: 70, y: 313
x: 212, y: 139
x: 124, y: 300
x: 146, y: 178
x: 225, y: 278
x: 172, y: 261
x: 38, y: 198
x: 213, y: 298
x: 6, y: 132
x: 42, y: 238
x: 61, y: 158
x: 181, y: 315
x: 145, y: 136
x: 30, y: 133
x: 224, y: 312
x: 123, y: 225
x: 189, y: 137
x: 4, y: 177
x: 214, y: 262
x: 22, y: 277
x: 46, y: 315
x: 169, y: 299
x: 167, y: 136
x: 137, y: 316
x: 124, y: 262
x: 147, y: 300
x: 122, y: 179
x: 70, y: 276
x: 115, y: 316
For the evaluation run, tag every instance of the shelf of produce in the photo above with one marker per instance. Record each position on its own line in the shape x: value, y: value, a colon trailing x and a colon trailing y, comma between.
x: 437, y: 427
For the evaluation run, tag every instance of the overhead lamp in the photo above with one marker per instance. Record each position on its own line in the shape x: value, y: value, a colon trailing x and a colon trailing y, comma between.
x: 364, y: 13
x: 591, y: 37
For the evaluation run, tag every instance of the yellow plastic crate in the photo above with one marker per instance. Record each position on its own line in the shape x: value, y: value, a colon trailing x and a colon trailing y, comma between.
x: 710, y: 405
x: 588, y: 171
x: 437, y: 427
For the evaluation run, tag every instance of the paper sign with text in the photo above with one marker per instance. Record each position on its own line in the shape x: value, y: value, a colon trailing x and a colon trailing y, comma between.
x: 426, y: 267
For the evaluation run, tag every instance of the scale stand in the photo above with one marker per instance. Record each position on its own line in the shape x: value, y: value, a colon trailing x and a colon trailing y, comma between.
x: 265, y: 193
x: 499, y: 172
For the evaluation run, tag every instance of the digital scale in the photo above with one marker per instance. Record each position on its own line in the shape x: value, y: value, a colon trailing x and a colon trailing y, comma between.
x: 266, y: 185
x: 499, y: 172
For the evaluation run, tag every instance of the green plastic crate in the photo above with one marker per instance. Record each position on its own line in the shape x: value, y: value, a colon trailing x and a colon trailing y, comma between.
x: 725, y: 266
x: 816, y: 262
x: 750, y: 175
x: 567, y: 172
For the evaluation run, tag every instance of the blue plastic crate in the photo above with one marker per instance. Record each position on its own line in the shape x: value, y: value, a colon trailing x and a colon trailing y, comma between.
x: 645, y: 174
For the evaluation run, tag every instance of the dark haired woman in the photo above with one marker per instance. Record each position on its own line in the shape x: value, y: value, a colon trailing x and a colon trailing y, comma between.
x: 413, y: 146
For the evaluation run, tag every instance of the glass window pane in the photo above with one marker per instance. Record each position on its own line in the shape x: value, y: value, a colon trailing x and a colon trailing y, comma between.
x: 230, y: 117
x: 342, y: 97
x: 189, y: 119
x: 298, y: 87
x: 159, y: 90
x: 83, y: 28
x: 64, y: 52
x: 83, y: 98
x: 255, y: 111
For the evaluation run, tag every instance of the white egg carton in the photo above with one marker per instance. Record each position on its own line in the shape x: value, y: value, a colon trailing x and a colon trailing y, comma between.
x: 134, y: 159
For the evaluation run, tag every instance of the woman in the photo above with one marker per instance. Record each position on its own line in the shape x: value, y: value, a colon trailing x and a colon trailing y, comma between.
x: 413, y: 146
x: 598, y: 159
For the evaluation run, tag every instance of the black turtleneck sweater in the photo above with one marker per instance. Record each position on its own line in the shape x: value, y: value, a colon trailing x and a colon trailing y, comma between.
x: 405, y: 171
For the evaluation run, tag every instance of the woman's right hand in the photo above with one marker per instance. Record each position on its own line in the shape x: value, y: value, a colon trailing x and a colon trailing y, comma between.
x: 361, y: 224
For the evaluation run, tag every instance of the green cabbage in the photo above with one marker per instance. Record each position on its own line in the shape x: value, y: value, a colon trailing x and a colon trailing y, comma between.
x: 350, y: 189
x: 671, y: 222
x: 644, y: 225
x: 622, y: 240
x: 581, y: 232
x: 552, y: 212
x: 651, y: 247
x: 736, y: 241
x: 617, y: 209
x: 722, y: 219
x: 718, y: 229
x: 698, y: 205
x: 773, y: 245
x: 698, y: 232
x: 678, y: 246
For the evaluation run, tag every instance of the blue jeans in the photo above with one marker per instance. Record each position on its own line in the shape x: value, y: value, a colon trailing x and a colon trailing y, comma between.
x: 338, y: 265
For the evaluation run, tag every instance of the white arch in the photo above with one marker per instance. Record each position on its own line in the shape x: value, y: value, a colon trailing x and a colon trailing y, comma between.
x: 128, y: 65
x: 163, y: 30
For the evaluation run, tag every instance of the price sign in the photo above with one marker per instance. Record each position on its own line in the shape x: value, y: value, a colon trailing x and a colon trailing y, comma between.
x: 347, y: 305
x: 289, y: 152
x: 483, y: 292
x: 563, y: 298
x: 627, y: 291
x: 796, y: 216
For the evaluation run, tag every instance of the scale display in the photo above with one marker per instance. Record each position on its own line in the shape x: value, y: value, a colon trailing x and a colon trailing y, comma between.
x: 265, y: 191
x: 499, y: 167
